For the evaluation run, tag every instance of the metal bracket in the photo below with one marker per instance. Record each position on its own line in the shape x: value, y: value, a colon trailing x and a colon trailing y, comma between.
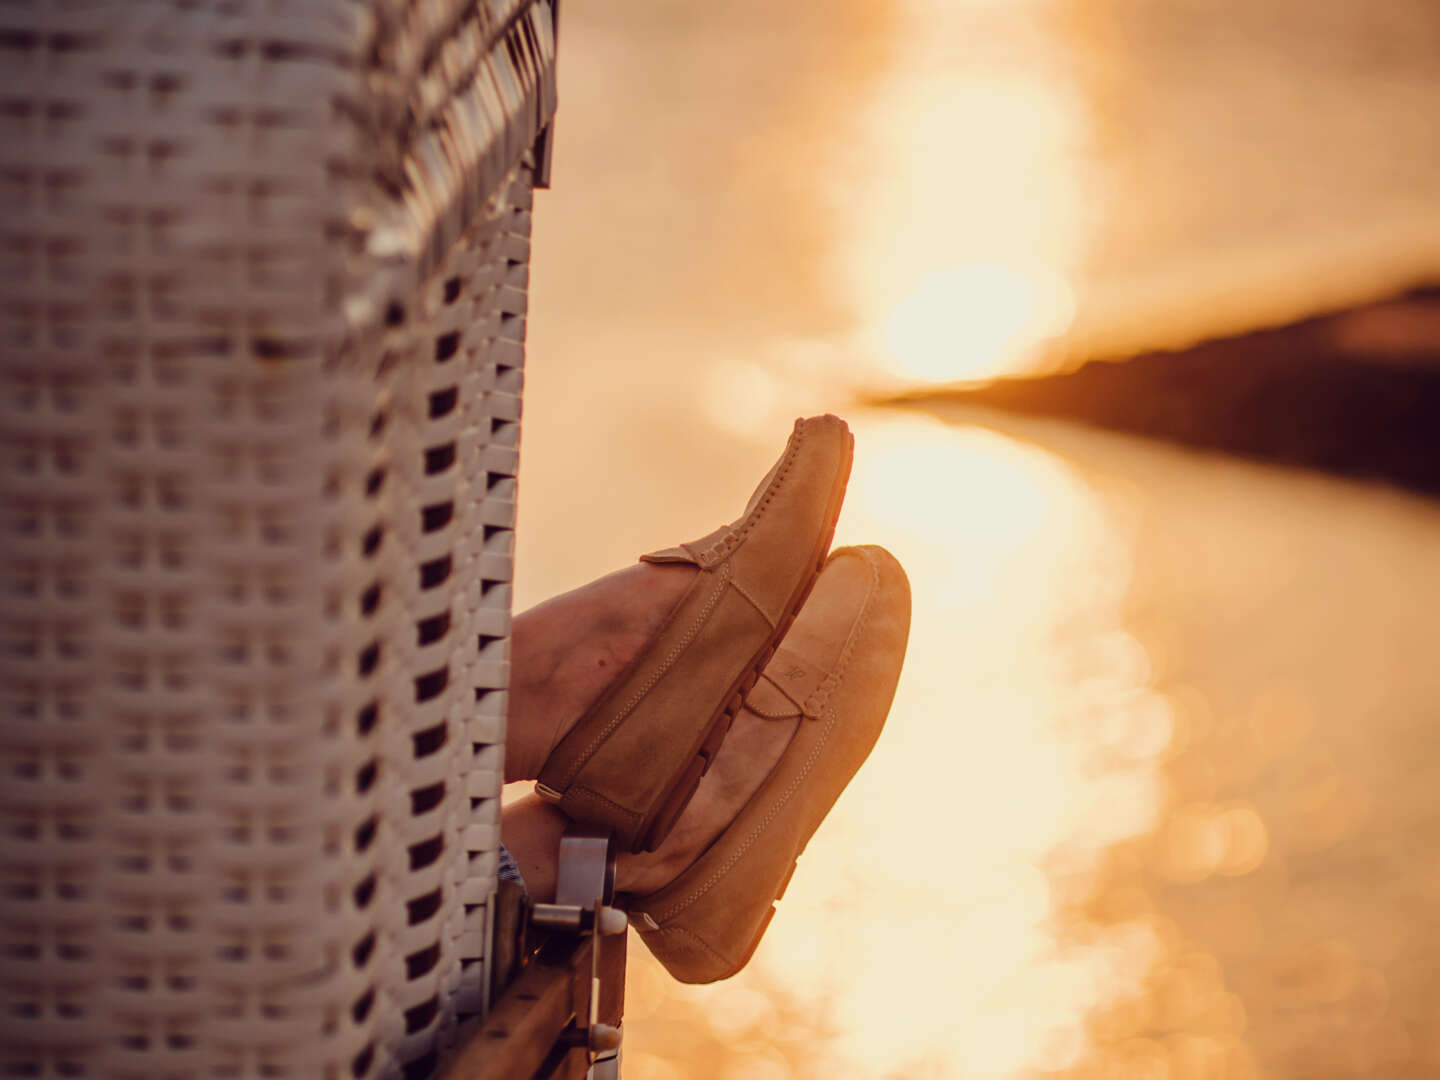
x: 584, y: 890
x: 560, y: 1017
x: 584, y: 885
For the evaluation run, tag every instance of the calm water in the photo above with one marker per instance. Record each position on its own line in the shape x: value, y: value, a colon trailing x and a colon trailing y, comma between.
x: 1154, y: 799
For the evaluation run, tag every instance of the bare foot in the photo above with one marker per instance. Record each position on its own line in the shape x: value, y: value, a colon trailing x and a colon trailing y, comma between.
x: 566, y: 651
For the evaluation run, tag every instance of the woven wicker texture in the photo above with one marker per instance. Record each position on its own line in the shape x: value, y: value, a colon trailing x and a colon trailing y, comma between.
x: 261, y: 341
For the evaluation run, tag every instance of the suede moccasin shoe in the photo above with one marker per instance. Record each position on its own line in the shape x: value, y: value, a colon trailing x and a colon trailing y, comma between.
x: 634, y: 759
x: 833, y: 679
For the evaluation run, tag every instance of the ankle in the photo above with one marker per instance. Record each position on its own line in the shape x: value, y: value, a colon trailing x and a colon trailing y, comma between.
x: 567, y: 651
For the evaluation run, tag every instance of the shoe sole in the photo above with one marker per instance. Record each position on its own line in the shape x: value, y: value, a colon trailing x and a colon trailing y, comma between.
x: 673, y: 803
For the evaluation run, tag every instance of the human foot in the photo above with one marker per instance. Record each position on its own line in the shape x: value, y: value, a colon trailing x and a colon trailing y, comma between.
x: 751, y: 750
x: 636, y: 756
x: 531, y: 827
x: 826, y: 693
x: 812, y: 655
x: 566, y: 651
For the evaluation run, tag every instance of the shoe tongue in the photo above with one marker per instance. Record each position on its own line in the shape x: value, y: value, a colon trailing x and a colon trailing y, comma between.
x: 787, y: 687
x: 700, y: 552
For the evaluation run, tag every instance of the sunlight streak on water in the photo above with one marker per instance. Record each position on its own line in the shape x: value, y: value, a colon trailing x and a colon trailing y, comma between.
x: 1023, y: 728
x: 972, y: 321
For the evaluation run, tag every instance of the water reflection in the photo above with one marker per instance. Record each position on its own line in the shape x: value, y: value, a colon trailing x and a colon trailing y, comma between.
x: 922, y: 928
x: 1140, y: 810
x: 1157, y: 790
x: 974, y: 320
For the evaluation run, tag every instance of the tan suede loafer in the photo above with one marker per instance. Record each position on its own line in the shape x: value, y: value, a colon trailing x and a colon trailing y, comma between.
x: 833, y: 678
x: 634, y: 759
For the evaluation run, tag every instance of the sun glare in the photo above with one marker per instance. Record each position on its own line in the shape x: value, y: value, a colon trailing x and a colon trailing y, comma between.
x: 964, y: 243
x: 974, y: 321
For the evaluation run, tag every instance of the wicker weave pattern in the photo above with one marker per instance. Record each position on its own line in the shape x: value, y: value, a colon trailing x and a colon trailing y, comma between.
x: 261, y: 340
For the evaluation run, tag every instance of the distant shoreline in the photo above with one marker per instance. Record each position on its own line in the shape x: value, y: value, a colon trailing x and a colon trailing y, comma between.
x: 1356, y: 393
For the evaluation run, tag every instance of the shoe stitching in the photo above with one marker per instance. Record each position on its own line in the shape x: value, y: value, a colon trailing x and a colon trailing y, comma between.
x: 655, y: 676
x: 795, y: 709
x: 856, y: 632
x: 831, y: 719
x: 771, y: 715
x: 753, y: 603
x: 737, y: 534
x: 815, y: 704
x: 625, y: 810
x: 698, y: 940
x: 720, y: 872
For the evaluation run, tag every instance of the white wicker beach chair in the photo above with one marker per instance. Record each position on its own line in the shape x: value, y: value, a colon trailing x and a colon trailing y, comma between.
x: 263, y: 314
